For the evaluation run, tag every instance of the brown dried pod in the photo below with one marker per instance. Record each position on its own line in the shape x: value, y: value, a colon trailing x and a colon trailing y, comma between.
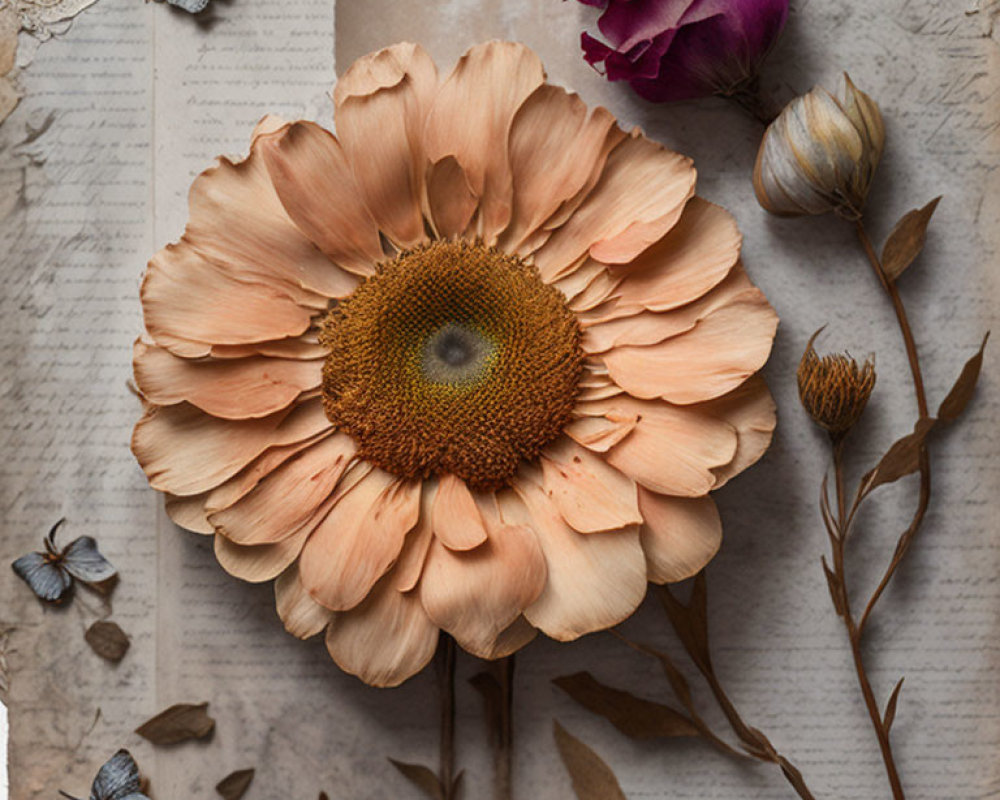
x: 834, y: 389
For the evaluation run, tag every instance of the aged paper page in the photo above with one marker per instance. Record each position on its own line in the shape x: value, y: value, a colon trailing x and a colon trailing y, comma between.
x: 933, y: 68
x: 123, y: 111
x: 76, y: 229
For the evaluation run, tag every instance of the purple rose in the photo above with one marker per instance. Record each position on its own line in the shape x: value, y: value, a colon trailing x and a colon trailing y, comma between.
x: 679, y: 49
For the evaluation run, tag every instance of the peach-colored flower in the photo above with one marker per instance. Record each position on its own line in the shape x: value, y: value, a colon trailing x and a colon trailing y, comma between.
x: 473, y: 364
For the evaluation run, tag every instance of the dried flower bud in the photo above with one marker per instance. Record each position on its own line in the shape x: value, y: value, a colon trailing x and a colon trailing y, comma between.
x: 834, y: 389
x: 820, y: 154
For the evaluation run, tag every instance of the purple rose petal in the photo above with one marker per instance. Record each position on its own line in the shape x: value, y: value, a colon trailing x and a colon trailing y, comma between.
x: 671, y: 50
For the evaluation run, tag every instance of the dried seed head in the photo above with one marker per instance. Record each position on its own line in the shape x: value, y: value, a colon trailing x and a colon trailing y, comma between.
x: 453, y: 358
x: 820, y: 154
x: 834, y: 389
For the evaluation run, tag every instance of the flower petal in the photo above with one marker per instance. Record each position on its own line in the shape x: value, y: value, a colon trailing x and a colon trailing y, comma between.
x: 304, y: 347
x: 277, y: 506
x: 672, y: 449
x: 302, y: 616
x: 554, y: 145
x: 382, y: 102
x: 359, y: 539
x: 471, y: 119
x: 313, y: 179
x: 714, y: 357
x: 410, y: 564
x: 189, y: 512
x: 590, y: 494
x: 750, y: 409
x: 477, y: 594
x: 185, y: 451
x: 457, y: 521
x: 513, y: 638
x: 259, y: 563
x: 639, y: 197
x: 237, y: 221
x: 187, y: 298
x: 601, y: 431
x: 225, y: 494
x: 230, y: 388
x: 695, y: 255
x: 680, y: 535
x: 384, y: 640
x: 651, y: 327
x: 595, y: 580
x: 450, y: 200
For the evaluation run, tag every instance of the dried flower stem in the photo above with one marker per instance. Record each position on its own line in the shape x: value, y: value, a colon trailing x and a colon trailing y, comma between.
x: 756, y: 102
x: 446, y: 686
x: 496, y: 685
x: 838, y: 536
x: 687, y: 619
x: 921, y: 395
x: 503, y: 785
x: 840, y: 526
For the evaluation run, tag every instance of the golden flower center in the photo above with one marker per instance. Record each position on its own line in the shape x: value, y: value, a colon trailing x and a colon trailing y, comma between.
x: 452, y: 358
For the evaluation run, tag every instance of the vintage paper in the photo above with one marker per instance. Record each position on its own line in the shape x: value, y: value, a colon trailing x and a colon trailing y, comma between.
x: 136, y: 99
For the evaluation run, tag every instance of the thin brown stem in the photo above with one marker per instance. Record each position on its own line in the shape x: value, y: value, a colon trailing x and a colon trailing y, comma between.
x: 854, y: 632
x: 755, y: 101
x: 446, y: 686
x: 921, y: 396
x: 503, y: 786
x: 754, y: 738
x: 692, y: 619
x: 685, y: 698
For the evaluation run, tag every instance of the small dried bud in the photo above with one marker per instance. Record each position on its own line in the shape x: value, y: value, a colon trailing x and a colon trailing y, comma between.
x: 820, y: 154
x: 834, y: 389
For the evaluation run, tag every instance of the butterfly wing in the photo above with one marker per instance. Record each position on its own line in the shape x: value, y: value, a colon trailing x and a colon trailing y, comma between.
x: 84, y: 562
x: 118, y: 779
x: 194, y: 6
x: 49, y: 581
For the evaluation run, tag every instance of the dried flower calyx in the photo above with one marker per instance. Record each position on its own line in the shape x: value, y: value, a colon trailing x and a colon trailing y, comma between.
x: 820, y: 154
x: 834, y: 389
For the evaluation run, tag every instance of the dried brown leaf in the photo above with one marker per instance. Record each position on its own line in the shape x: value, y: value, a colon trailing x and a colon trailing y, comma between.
x: 422, y: 777
x: 902, y: 458
x: 235, y: 785
x: 890, y: 707
x: 592, y: 778
x: 907, y: 240
x: 635, y: 717
x: 961, y: 393
x: 107, y: 640
x: 691, y: 621
x: 178, y: 723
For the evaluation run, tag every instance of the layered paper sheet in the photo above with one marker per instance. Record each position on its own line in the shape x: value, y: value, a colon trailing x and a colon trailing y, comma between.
x: 123, y: 110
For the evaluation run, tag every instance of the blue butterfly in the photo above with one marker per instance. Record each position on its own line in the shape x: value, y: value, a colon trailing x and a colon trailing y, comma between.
x: 118, y: 779
x: 193, y: 6
x: 50, y: 574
